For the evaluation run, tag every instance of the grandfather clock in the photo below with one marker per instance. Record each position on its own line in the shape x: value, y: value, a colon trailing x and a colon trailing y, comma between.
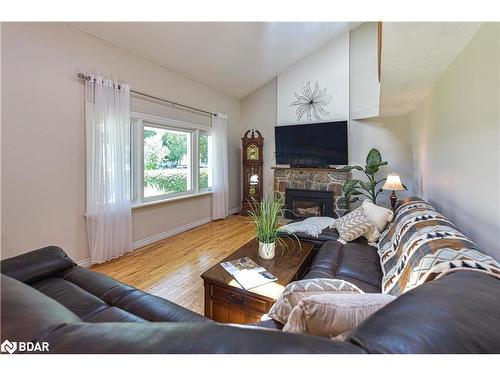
x: 252, y: 143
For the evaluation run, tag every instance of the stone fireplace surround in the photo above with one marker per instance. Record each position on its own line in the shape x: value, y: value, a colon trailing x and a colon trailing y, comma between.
x: 322, y: 179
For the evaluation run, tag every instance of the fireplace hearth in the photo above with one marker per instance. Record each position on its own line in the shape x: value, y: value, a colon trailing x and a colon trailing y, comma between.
x: 301, y: 203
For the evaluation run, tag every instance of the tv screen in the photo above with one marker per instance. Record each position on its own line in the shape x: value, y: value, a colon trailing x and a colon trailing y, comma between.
x: 312, y: 145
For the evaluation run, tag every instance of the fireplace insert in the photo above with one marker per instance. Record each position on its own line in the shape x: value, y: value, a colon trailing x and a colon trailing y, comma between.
x: 301, y: 204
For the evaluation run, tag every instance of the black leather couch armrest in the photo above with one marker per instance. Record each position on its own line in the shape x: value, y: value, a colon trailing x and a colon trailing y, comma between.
x: 458, y: 313
x: 37, y: 264
x: 185, y: 338
x: 27, y: 315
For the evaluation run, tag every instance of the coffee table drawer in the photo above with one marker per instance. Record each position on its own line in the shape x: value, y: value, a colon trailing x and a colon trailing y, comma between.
x: 240, y: 299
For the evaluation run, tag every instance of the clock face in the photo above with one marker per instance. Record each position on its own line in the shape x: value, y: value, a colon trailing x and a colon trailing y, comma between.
x: 252, y: 152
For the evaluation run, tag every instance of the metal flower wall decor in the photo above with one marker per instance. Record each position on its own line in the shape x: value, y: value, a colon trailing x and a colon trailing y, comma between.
x: 311, y: 103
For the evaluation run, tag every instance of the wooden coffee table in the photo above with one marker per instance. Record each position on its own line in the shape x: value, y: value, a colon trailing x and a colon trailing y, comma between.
x: 227, y: 302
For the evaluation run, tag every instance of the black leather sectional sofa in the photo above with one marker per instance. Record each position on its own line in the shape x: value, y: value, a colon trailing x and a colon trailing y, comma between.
x: 47, y: 297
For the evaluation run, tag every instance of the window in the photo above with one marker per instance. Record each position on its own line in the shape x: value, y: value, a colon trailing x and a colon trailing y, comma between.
x: 205, y: 162
x: 171, y: 158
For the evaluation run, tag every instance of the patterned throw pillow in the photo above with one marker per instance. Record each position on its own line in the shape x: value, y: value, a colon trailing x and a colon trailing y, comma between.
x: 331, y: 314
x: 298, y: 290
x: 353, y: 225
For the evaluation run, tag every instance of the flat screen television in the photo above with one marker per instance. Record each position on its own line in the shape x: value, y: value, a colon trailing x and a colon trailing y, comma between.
x: 312, y: 145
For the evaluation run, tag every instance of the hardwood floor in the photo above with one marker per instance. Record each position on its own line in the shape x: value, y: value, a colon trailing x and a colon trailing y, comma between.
x: 171, y: 268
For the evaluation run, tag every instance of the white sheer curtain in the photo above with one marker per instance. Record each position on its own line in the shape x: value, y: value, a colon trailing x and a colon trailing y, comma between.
x: 220, y: 178
x: 107, y: 125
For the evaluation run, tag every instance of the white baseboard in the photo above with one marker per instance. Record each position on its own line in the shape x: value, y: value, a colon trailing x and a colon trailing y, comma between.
x: 161, y: 236
x: 235, y: 210
x: 84, y: 263
x: 169, y: 233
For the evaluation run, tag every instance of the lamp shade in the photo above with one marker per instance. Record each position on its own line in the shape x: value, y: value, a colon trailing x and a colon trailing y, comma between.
x: 393, y: 182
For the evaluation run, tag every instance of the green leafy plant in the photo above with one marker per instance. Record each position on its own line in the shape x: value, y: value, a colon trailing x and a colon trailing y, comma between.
x: 176, y: 146
x: 354, y: 188
x: 203, y: 178
x: 266, y: 216
x: 166, y: 181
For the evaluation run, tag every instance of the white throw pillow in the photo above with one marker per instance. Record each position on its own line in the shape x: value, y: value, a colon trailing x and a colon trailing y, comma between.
x: 372, y: 236
x: 379, y: 216
x: 300, y: 289
x: 331, y: 314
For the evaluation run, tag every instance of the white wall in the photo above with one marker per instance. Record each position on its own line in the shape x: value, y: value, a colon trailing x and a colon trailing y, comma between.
x: 456, y: 141
x: 329, y: 67
x: 391, y: 136
x: 258, y: 111
x: 364, y: 87
x: 42, y: 153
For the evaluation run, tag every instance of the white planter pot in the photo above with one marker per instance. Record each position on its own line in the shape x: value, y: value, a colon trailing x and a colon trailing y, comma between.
x: 267, y: 250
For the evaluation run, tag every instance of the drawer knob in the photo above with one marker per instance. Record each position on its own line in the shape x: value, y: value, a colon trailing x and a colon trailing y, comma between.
x: 238, y: 300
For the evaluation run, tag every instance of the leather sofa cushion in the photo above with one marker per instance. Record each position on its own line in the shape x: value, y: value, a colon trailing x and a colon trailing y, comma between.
x: 328, y: 258
x: 28, y: 315
x: 37, y: 264
x: 113, y: 314
x: 129, y: 299
x: 355, y: 262
x: 101, y: 286
x: 455, y: 314
x: 360, y: 262
x: 79, y: 301
x: 157, y: 309
x: 90, y: 295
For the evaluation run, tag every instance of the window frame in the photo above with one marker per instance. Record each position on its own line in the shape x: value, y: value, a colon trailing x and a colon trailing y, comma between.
x: 138, y: 121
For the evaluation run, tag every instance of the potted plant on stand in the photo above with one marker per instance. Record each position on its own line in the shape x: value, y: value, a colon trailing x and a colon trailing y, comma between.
x: 371, y: 189
x: 266, y: 216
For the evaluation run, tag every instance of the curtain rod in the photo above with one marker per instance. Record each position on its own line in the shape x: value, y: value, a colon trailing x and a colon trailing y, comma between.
x: 85, y: 77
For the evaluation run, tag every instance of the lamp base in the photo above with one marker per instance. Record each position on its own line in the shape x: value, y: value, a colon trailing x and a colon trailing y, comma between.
x: 394, y: 200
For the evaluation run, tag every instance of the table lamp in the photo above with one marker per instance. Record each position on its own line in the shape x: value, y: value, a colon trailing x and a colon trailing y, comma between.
x: 393, y: 183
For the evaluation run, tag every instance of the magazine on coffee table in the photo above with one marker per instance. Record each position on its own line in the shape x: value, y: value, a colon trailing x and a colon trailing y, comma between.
x: 248, y: 273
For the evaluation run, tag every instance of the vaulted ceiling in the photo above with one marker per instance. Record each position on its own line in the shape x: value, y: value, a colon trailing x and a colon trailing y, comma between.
x: 236, y: 58
x: 414, y: 56
x: 239, y: 57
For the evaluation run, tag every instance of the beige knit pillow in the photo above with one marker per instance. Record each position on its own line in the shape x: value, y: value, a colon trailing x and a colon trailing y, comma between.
x: 372, y: 236
x: 300, y: 289
x: 331, y: 314
x: 353, y: 225
x: 379, y: 216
